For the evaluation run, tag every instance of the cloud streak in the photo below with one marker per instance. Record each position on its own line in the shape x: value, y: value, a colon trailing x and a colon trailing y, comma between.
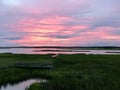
x: 64, y: 23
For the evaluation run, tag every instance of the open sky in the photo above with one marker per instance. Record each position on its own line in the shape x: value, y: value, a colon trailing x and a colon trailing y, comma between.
x: 59, y: 22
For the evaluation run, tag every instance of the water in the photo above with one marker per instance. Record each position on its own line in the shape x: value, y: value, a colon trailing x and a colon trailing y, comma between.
x: 22, y: 85
x: 56, y: 51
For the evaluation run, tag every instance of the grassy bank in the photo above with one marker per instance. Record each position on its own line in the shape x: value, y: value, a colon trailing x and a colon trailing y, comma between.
x: 14, y: 75
x: 71, y: 72
x: 83, y: 72
x: 9, y: 59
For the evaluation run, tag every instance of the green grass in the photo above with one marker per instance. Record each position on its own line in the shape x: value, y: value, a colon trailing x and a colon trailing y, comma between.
x: 14, y: 75
x: 8, y: 59
x: 36, y: 86
x: 71, y: 72
x: 84, y: 72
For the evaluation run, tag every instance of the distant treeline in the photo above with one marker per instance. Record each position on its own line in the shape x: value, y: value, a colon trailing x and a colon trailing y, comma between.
x: 79, y: 47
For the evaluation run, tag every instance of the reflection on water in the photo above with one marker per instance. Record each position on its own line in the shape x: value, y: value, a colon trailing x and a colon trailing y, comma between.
x: 21, y: 85
x: 56, y: 51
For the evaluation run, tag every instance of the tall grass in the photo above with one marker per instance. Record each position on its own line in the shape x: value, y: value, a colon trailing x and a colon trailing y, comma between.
x: 71, y: 72
x: 8, y: 59
x: 84, y: 72
x: 14, y: 75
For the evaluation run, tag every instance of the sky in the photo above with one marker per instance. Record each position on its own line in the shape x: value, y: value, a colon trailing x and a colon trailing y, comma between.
x: 59, y: 22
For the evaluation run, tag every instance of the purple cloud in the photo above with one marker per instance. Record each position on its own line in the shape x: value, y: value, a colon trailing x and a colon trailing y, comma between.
x: 66, y: 23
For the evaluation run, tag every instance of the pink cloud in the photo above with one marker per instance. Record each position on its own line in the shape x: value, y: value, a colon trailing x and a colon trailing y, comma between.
x: 69, y: 22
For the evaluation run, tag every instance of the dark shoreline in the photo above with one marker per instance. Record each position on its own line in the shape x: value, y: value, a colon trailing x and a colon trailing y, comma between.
x: 69, y: 47
x: 58, y: 51
x: 112, y: 52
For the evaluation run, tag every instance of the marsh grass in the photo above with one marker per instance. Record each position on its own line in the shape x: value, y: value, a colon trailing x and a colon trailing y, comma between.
x: 8, y: 59
x: 71, y: 72
x: 84, y: 72
x: 14, y: 75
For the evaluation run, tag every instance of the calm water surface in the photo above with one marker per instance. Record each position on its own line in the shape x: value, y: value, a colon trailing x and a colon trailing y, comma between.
x: 22, y: 85
x: 56, y: 51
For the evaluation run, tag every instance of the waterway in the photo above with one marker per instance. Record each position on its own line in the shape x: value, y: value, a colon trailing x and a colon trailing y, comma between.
x: 56, y: 51
x: 22, y: 85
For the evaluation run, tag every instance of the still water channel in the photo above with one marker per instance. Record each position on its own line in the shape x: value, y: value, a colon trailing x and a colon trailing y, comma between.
x: 22, y: 85
x: 56, y: 51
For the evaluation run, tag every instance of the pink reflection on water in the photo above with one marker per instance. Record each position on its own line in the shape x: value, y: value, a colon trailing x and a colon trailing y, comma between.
x: 22, y: 85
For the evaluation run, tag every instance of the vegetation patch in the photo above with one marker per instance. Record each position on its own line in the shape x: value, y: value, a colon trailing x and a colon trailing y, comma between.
x: 71, y: 72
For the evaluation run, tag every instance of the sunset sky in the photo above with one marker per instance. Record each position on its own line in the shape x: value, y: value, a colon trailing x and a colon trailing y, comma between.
x: 59, y: 22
